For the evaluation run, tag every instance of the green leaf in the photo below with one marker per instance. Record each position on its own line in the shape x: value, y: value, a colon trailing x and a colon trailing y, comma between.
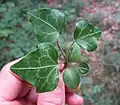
x: 86, y: 35
x: 39, y: 68
x: 75, y: 54
x: 47, y: 23
x: 83, y: 68
x: 71, y: 78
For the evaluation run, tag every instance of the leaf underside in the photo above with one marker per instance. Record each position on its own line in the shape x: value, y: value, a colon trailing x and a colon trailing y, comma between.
x: 47, y: 23
x: 71, y: 78
x: 86, y: 35
x: 39, y: 68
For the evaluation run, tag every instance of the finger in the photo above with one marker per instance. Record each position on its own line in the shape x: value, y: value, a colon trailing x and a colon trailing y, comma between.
x: 32, y: 96
x: 56, y: 97
x: 73, y: 99
x: 17, y: 102
x: 10, y: 86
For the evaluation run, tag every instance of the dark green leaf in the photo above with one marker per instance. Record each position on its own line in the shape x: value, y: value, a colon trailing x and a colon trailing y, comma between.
x: 39, y: 68
x: 71, y: 78
x: 47, y: 24
x: 83, y: 68
x: 75, y: 54
x: 86, y: 35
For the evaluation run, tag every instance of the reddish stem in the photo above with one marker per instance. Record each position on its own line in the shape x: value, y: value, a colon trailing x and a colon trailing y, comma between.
x: 62, y: 52
x: 63, y: 66
x: 58, y: 44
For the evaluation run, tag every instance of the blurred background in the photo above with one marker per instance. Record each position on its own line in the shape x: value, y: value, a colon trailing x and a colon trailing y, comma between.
x: 102, y: 85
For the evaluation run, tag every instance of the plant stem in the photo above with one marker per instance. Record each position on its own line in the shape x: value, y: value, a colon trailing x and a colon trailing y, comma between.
x: 63, y: 53
x: 68, y: 52
x: 71, y: 45
x: 65, y: 65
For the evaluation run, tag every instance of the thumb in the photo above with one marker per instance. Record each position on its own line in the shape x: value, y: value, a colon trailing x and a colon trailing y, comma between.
x: 55, y: 97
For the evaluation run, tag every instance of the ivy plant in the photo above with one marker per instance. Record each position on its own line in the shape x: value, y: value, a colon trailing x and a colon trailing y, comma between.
x: 40, y: 67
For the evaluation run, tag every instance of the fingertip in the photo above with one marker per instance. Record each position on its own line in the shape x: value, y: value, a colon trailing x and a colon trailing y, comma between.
x: 74, y: 99
x: 13, y: 62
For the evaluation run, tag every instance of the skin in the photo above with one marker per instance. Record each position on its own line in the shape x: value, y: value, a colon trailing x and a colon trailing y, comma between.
x: 14, y: 91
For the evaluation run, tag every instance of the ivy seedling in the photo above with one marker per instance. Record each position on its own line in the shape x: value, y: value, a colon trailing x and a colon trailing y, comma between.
x: 40, y: 67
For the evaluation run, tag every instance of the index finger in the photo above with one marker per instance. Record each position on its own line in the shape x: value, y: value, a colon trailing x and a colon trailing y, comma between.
x: 10, y: 86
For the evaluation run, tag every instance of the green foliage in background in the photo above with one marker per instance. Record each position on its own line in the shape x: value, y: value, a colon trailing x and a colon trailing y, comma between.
x: 16, y: 33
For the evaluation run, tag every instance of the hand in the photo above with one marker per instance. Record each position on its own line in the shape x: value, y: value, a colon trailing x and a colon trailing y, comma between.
x: 16, y: 92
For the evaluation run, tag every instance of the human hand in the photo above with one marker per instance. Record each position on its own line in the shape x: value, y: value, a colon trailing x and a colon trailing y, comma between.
x: 14, y: 91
